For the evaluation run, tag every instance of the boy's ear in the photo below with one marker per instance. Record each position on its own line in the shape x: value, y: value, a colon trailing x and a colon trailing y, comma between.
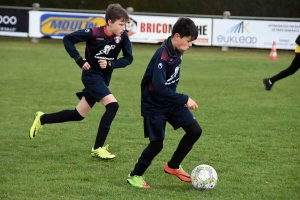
x: 176, y: 36
x: 109, y: 22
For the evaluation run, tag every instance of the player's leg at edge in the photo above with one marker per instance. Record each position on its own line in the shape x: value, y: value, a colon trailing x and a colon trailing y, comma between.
x: 40, y: 118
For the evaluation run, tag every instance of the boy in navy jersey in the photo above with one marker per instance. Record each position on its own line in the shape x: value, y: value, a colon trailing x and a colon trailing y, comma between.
x: 103, y: 45
x: 294, y: 66
x: 160, y: 103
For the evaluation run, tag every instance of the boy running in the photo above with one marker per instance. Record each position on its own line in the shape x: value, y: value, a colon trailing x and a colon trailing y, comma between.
x: 160, y: 103
x: 103, y: 45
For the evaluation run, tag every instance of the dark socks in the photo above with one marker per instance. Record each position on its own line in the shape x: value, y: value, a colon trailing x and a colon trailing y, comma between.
x: 62, y: 116
x: 295, y: 65
x: 193, y: 133
x: 105, y: 122
x: 149, y: 153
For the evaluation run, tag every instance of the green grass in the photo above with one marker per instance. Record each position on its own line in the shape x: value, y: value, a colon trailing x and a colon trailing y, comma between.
x: 250, y: 136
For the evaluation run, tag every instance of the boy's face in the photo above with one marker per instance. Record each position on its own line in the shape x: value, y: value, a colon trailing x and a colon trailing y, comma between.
x: 118, y: 27
x: 182, y: 44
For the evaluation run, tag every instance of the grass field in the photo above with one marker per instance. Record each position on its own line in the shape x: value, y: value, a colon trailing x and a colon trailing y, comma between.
x: 250, y: 136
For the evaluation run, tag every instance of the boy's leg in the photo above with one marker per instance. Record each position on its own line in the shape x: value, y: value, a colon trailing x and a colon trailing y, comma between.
x: 77, y: 114
x: 193, y: 132
x: 135, y: 177
x: 182, y: 117
x: 295, y: 65
x: 149, y: 153
x: 154, y: 128
x: 111, y: 106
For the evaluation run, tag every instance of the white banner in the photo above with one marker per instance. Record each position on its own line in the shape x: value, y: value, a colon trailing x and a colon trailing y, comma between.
x: 254, y: 33
x: 155, y: 29
x: 143, y: 29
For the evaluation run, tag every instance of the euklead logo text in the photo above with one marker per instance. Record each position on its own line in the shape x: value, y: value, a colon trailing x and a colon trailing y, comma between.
x: 8, y: 20
x: 236, y: 39
x: 60, y: 25
x: 236, y: 35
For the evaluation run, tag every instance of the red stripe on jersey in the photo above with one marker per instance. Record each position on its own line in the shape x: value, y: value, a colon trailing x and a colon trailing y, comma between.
x: 106, y: 33
x: 150, y: 86
x: 164, y: 55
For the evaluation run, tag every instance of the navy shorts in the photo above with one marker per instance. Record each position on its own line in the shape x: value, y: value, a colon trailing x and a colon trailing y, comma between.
x: 154, y: 126
x: 95, y: 88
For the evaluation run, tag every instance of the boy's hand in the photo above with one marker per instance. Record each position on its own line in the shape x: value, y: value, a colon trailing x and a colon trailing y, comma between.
x: 191, y: 104
x: 102, y: 63
x: 83, y: 64
x: 86, y: 66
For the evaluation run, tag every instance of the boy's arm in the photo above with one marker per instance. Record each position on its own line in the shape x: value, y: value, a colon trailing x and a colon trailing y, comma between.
x: 71, y: 39
x: 298, y: 40
x: 158, y: 82
x: 127, y: 54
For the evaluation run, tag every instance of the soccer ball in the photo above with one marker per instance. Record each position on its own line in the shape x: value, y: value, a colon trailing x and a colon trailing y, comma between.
x: 204, y: 177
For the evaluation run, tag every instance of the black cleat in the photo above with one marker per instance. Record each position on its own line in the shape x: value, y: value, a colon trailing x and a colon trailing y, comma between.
x: 268, y: 84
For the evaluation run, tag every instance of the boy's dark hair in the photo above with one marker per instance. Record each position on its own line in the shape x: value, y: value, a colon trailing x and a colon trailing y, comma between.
x: 185, y: 27
x: 115, y: 12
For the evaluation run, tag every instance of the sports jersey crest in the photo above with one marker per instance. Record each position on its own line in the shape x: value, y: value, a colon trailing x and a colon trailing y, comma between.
x: 117, y: 39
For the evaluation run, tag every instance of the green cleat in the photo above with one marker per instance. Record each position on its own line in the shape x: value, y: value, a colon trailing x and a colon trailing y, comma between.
x: 102, y: 153
x: 36, y: 126
x: 137, y: 181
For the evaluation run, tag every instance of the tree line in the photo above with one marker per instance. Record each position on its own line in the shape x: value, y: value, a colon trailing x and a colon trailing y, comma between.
x: 253, y: 8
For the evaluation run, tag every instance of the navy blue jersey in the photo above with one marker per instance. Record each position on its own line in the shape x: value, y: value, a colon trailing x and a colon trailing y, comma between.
x: 298, y: 40
x: 158, y: 87
x: 100, y: 46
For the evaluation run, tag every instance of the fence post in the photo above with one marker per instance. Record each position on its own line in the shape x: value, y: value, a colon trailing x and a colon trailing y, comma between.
x: 129, y: 10
x: 226, y: 15
x: 35, y: 6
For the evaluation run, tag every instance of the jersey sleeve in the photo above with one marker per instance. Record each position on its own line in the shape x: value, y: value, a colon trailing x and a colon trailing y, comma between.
x: 127, y: 57
x: 71, y: 39
x: 298, y: 40
x: 159, y: 80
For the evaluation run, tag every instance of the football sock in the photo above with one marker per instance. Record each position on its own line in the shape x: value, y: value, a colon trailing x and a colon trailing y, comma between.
x: 149, y: 153
x: 61, y: 116
x: 105, y: 122
x: 295, y: 65
x: 193, y: 133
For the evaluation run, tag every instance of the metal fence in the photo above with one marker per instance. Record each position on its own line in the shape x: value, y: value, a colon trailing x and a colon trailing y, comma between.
x: 35, y: 7
x: 146, y: 27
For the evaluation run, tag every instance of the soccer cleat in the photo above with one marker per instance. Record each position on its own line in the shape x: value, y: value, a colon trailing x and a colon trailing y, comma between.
x: 137, y: 181
x: 102, y: 153
x: 180, y: 173
x: 267, y: 83
x: 36, y: 126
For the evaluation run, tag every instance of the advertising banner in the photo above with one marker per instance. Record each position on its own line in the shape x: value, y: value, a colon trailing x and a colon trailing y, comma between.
x: 14, y: 22
x: 57, y: 25
x: 155, y: 29
x: 142, y: 29
x: 255, y: 34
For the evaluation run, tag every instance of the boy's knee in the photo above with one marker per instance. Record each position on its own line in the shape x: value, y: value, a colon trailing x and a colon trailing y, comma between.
x: 157, y: 144
x: 112, y: 107
x: 197, y: 133
x: 193, y: 130
x: 76, y: 116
